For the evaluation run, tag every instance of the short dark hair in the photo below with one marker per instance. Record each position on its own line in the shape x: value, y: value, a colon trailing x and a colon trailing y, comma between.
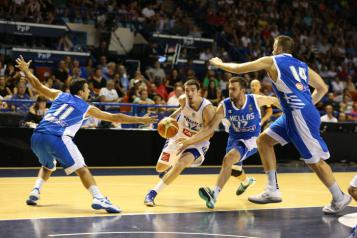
x: 77, y: 85
x: 286, y: 43
x: 193, y: 82
x: 243, y: 83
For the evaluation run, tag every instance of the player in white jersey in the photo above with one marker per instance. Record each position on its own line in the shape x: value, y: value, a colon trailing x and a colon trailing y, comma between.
x: 52, y: 139
x: 299, y: 124
x: 195, y: 113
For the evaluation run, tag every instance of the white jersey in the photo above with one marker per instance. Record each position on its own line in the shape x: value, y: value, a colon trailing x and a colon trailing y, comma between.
x: 190, y: 123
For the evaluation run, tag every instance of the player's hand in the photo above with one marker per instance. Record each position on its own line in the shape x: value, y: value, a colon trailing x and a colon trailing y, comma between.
x: 182, y: 144
x: 22, y: 64
x: 148, y: 119
x: 215, y: 61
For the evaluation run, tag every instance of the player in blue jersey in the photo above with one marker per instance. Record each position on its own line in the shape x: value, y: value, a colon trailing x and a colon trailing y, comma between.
x: 242, y: 111
x: 300, y: 122
x: 52, y: 139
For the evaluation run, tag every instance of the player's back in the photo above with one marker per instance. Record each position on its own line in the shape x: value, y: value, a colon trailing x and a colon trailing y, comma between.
x: 64, y: 117
x: 244, y: 122
x: 292, y: 84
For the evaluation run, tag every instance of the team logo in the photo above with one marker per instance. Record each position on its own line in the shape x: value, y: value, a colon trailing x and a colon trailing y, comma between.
x: 250, y: 108
x: 299, y: 86
x: 230, y: 111
x: 165, y: 157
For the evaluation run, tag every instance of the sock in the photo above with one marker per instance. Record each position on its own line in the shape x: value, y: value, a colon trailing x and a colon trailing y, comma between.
x: 160, y: 186
x: 94, y: 190
x: 39, y: 182
x: 272, y: 180
x: 336, y: 192
x: 216, y: 192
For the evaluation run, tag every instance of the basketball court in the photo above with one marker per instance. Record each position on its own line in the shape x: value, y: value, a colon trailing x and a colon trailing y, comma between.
x: 64, y: 208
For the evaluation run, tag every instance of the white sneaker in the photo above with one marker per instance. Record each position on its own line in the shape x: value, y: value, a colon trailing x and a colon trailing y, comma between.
x: 104, y: 203
x: 336, y: 207
x: 265, y: 197
x: 33, y: 197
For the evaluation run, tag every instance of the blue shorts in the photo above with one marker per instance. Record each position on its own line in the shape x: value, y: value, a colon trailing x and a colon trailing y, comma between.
x: 303, y: 130
x: 49, y: 148
x: 243, y: 150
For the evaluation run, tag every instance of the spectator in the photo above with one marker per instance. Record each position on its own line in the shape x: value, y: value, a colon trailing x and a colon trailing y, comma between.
x: 338, y: 86
x: 36, y: 112
x: 173, y: 100
x: 61, y: 75
x: 20, y: 95
x: 267, y: 111
x: 353, y: 114
x: 342, y: 117
x: 109, y: 94
x: 143, y: 99
x: 124, y: 79
x: 213, y: 93
x: 4, y: 90
x: 210, y: 76
x: 328, y: 117
x: 156, y: 71
x: 98, y: 81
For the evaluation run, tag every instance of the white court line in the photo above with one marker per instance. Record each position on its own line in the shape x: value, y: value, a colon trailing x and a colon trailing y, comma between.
x: 157, y: 213
x: 149, y: 232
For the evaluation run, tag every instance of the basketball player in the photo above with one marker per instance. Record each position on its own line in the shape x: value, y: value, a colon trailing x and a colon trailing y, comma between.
x: 195, y: 112
x: 52, y: 139
x: 243, y: 113
x: 299, y: 123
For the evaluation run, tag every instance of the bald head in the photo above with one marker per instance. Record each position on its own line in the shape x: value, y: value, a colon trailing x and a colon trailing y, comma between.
x: 255, y: 86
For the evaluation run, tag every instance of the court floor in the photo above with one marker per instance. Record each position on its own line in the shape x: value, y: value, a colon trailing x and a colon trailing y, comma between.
x: 64, y: 209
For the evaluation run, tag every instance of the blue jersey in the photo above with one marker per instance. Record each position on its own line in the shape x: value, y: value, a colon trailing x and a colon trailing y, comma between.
x: 244, y: 123
x: 292, y: 85
x: 65, y: 116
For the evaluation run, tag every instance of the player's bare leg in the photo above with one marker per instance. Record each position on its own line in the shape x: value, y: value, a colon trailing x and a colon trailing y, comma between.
x: 162, y: 169
x: 99, y: 201
x: 43, y: 175
x: 271, y: 194
x: 339, y: 199
x: 231, y: 158
x: 185, y: 161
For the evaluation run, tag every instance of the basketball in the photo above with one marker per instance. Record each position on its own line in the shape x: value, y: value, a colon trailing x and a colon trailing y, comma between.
x: 167, y: 127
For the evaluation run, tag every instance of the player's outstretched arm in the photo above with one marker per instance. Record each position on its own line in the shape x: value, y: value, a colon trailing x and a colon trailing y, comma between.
x: 119, y: 118
x: 267, y: 101
x: 36, y: 84
x: 318, y: 84
x: 207, y: 132
x: 264, y: 63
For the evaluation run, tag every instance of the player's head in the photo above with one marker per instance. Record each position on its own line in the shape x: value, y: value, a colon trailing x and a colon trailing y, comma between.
x: 79, y: 87
x: 283, y: 44
x: 237, y: 86
x: 255, y: 86
x: 192, y: 88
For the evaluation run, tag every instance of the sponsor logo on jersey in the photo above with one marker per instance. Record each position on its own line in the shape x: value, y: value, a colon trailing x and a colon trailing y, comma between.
x: 187, y: 132
x: 299, y: 86
x: 165, y: 157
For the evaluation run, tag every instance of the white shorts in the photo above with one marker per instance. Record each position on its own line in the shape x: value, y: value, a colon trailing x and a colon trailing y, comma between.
x: 353, y: 182
x: 169, y: 153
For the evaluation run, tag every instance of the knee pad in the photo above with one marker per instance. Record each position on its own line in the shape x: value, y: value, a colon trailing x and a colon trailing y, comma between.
x: 236, y: 173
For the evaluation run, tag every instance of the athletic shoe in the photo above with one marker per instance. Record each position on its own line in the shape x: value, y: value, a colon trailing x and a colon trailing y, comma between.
x: 34, y: 197
x: 336, y: 207
x: 242, y: 187
x: 265, y: 197
x: 104, y: 203
x: 149, y: 198
x: 353, y: 233
x: 162, y: 174
x: 208, y: 195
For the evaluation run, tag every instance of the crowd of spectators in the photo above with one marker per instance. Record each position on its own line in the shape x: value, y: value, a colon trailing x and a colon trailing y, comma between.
x: 324, y: 31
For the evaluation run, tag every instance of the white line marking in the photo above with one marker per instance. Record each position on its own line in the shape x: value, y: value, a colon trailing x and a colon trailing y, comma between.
x: 149, y: 232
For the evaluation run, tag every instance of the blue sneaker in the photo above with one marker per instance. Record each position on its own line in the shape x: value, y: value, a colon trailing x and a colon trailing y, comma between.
x: 34, y: 197
x: 162, y: 174
x: 104, y: 203
x: 149, y: 198
x: 353, y: 232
